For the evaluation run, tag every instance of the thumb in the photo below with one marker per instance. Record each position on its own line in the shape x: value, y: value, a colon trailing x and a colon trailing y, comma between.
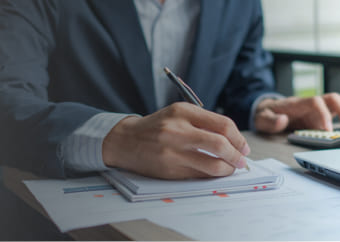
x: 269, y: 122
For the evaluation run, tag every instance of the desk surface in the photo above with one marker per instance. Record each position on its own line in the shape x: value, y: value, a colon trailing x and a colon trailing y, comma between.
x: 262, y: 146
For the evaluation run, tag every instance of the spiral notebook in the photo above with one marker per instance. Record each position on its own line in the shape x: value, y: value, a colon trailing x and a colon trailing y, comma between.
x: 140, y: 188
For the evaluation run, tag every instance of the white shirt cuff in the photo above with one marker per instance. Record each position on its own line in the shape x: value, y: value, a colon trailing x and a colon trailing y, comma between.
x: 82, y: 150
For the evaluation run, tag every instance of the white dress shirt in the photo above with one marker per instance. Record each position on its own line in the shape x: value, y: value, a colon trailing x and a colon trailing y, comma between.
x: 169, y: 31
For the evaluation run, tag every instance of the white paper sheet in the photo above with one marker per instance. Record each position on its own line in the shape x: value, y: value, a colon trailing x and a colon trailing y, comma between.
x: 301, y: 209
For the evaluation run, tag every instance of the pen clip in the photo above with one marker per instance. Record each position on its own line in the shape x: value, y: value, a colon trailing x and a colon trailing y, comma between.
x: 191, y: 91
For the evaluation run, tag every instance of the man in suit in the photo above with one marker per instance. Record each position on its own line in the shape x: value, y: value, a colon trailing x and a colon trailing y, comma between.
x: 82, y: 87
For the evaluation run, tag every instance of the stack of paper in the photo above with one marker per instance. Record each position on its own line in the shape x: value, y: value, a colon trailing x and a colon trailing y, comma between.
x: 139, y: 188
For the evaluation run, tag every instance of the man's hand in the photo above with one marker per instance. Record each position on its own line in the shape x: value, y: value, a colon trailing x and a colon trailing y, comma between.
x: 165, y: 144
x: 273, y: 116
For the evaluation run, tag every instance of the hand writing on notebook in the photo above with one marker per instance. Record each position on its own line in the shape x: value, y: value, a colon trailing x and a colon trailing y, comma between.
x: 273, y: 116
x: 164, y: 144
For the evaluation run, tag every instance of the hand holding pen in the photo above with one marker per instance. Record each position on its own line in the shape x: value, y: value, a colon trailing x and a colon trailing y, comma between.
x: 165, y: 144
x: 188, y: 94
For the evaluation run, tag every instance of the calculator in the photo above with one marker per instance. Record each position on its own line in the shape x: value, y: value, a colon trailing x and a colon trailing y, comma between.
x: 319, y: 139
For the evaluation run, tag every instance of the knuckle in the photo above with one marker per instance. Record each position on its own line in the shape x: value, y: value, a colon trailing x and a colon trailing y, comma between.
x: 331, y: 94
x: 227, y: 125
x: 164, y: 126
x: 164, y: 131
x: 217, y: 168
x: 168, y: 130
x: 220, y: 145
x: 334, y: 96
x: 242, y: 143
x: 176, y: 109
x: 316, y: 102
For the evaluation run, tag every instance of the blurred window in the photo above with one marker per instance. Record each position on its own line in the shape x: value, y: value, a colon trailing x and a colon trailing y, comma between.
x: 303, y: 25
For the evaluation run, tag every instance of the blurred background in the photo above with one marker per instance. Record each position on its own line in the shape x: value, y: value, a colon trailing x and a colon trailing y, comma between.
x: 311, y: 26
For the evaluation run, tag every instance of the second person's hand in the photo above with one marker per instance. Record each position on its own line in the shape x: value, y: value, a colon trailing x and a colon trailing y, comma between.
x: 274, y: 116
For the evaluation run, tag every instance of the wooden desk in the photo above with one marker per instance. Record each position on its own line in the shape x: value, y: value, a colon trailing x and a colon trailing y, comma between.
x: 262, y: 146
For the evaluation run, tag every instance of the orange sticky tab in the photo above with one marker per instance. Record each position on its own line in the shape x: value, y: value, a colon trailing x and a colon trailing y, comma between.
x: 98, y: 195
x: 222, y: 195
x: 114, y: 194
x: 168, y: 200
x: 335, y: 136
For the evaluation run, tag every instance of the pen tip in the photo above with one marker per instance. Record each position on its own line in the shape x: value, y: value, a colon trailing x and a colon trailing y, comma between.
x: 166, y: 69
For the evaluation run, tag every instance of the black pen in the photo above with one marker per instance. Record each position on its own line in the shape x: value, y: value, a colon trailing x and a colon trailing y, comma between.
x: 188, y: 94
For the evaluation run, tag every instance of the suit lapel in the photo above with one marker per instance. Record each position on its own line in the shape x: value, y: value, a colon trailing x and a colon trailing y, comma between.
x: 121, y: 20
x: 205, y: 38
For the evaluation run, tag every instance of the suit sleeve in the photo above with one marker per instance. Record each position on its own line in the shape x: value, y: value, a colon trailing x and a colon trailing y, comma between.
x: 251, y: 76
x: 31, y: 126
